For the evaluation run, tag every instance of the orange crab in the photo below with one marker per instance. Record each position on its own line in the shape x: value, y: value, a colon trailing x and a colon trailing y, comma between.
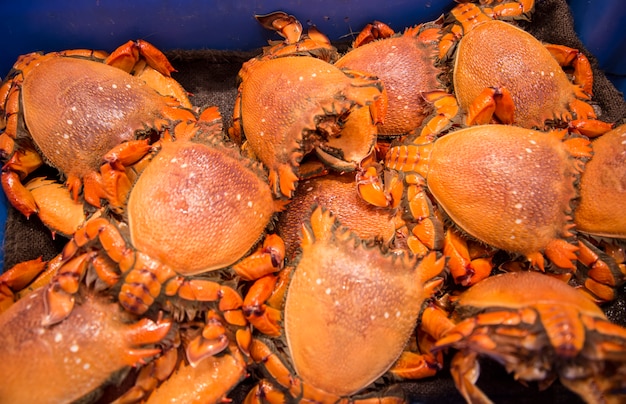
x: 505, y: 186
x: 67, y: 109
x: 75, y: 358
x: 405, y: 63
x: 308, y: 105
x: 197, y: 207
x: 599, y: 215
x: 337, y: 193
x: 503, y: 74
x: 350, y: 305
x: 540, y: 329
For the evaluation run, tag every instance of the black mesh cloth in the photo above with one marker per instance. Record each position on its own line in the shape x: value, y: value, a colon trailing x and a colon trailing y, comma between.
x: 210, y: 76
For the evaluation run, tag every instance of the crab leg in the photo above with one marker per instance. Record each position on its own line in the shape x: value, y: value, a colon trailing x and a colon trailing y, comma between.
x: 583, y: 74
x: 267, y: 259
x: 262, y: 316
x: 602, y: 274
x: 17, y: 278
x: 491, y: 102
x: 465, y: 270
x: 446, y: 109
x: 21, y: 164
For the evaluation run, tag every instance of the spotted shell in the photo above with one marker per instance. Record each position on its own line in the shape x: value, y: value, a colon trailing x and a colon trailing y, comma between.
x: 66, y: 362
x: 199, y: 207
x: 337, y: 193
x: 76, y: 110
x: 289, y: 105
x: 349, y: 305
x: 508, y: 186
x: 404, y: 64
x: 603, y: 187
x: 497, y: 54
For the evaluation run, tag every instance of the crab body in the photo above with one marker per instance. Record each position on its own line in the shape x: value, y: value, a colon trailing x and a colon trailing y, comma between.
x: 508, y: 187
x: 599, y: 219
x: 306, y: 102
x: 71, y: 360
x: 405, y: 65
x: 196, y: 195
x: 497, y: 54
x: 348, y: 304
x: 539, y: 328
x: 503, y: 74
x: 67, y: 109
x: 515, y: 194
x: 198, y: 187
x: 76, y: 110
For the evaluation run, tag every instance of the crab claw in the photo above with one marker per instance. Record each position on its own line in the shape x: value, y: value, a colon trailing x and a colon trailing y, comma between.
x: 126, y: 57
x: 284, y: 24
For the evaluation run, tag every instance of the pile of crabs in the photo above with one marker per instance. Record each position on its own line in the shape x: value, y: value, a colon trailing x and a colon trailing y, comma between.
x: 421, y: 202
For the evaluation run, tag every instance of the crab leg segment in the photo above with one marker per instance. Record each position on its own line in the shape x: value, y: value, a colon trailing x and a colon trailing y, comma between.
x: 601, y: 273
x: 510, y: 9
x: 17, y: 278
x: 491, y: 102
x: 149, y: 377
x: 464, y: 269
x: 446, y: 109
x: 283, y: 24
x: 267, y: 259
x: 262, y: 316
x: 21, y: 164
x: 387, y: 193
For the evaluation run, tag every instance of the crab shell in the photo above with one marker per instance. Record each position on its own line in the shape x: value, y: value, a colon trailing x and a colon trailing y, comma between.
x: 73, y: 359
x: 497, y: 54
x: 404, y: 63
x: 290, y: 105
x: 76, y: 110
x: 207, y: 382
x: 199, y: 207
x: 539, y: 327
x: 349, y: 305
x: 337, y: 193
x: 603, y: 187
x: 507, y: 186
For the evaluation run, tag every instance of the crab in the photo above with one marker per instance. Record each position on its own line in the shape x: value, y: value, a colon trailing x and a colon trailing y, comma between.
x: 308, y: 104
x: 67, y: 109
x: 540, y: 329
x: 508, y: 187
x: 405, y: 63
x: 600, y: 220
x: 502, y: 74
x: 72, y: 360
x: 351, y: 305
x: 197, y: 207
x: 337, y: 193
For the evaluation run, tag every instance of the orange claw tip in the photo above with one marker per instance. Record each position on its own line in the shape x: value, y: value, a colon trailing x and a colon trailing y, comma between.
x: 57, y: 305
